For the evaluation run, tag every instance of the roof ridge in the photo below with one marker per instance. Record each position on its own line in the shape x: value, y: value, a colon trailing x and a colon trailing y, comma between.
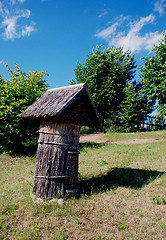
x: 72, y: 98
x: 70, y: 86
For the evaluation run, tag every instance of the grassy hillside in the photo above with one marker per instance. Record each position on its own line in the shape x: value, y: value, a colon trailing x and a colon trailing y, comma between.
x: 123, y: 194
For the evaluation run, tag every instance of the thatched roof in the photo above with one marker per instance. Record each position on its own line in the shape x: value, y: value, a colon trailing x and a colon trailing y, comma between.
x: 72, y: 103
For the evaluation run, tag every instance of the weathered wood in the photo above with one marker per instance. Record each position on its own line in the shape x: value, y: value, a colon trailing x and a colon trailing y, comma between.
x: 70, y: 104
x: 62, y: 112
x: 57, y: 157
x: 56, y: 177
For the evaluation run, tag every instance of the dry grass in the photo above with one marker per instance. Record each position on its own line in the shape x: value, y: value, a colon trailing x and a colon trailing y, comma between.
x: 123, y: 195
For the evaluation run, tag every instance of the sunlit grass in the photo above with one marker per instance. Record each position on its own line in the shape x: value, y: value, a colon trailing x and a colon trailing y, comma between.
x: 123, y: 195
x: 138, y: 135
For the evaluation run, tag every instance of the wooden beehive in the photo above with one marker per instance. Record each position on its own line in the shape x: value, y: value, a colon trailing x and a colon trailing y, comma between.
x: 62, y: 112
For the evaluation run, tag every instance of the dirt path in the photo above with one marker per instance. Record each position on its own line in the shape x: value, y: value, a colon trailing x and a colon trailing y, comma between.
x: 99, y: 138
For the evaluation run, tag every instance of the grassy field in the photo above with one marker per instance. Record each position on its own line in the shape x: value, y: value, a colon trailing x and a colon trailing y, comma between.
x: 138, y: 135
x: 123, y: 194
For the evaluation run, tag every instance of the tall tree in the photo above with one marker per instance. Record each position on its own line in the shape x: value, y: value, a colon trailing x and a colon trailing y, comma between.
x: 106, y: 73
x: 16, y: 95
x: 153, y: 75
x: 134, y: 105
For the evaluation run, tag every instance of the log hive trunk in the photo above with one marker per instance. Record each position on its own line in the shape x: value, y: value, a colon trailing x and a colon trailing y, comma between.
x: 56, y: 170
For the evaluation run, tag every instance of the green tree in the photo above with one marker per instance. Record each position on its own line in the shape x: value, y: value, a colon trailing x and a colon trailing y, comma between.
x: 16, y: 95
x: 134, y: 105
x: 107, y: 73
x: 153, y: 75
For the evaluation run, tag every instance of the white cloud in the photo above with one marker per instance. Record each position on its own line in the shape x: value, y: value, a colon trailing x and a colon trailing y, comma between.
x: 131, y: 38
x: 4, y: 11
x: 108, y: 31
x: 138, y: 25
x: 11, y: 26
x: 13, y: 2
x: 103, y: 13
x: 159, y: 7
x: 153, y: 39
x: 27, y: 30
x: 15, y: 21
x: 0, y: 7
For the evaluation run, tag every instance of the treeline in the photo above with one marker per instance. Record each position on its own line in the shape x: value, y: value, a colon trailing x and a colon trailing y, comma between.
x: 109, y: 74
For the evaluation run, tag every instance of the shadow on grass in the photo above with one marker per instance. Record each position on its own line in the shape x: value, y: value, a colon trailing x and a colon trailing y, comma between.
x: 123, y: 177
x: 29, y: 148
x: 26, y: 149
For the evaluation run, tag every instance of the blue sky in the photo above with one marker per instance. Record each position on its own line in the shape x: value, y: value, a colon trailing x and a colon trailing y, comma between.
x: 53, y: 35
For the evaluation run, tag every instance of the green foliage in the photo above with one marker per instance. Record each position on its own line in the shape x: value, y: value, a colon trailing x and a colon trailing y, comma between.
x: 129, y: 111
x: 106, y: 73
x: 86, y: 130
x: 16, y: 95
x: 153, y: 75
x: 135, y: 103
x: 109, y: 75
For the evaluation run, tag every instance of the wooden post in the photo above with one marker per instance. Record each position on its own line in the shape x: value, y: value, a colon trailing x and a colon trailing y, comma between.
x: 138, y: 121
x: 56, y: 169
